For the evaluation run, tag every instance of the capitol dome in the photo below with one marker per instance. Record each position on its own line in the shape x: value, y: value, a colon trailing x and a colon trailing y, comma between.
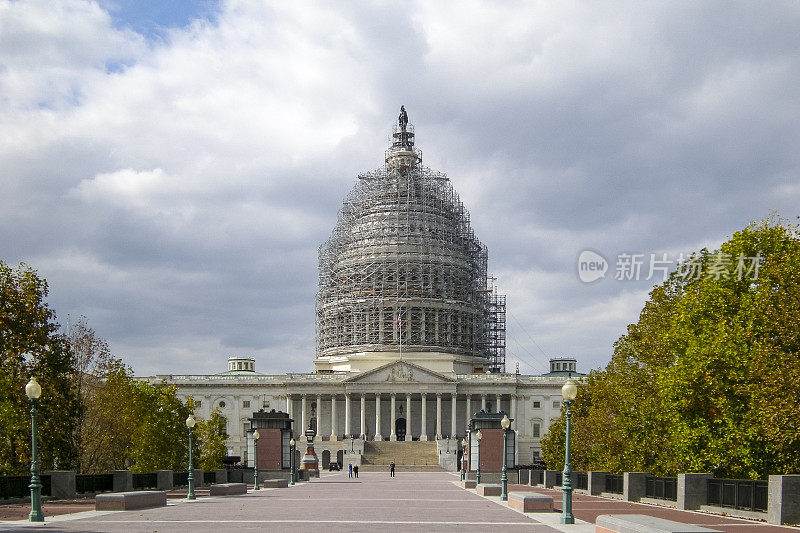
x: 403, y: 275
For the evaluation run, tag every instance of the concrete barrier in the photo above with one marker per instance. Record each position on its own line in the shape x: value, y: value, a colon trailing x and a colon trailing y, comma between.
x: 125, y: 501
x: 164, y: 479
x: 467, y: 484
x: 530, y: 502
x: 227, y: 489
x: 489, y: 490
x: 784, y: 500
x: 274, y: 483
x: 641, y: 523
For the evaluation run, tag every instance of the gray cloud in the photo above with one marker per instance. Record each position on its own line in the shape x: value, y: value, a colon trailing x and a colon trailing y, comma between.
x: 175, y: 190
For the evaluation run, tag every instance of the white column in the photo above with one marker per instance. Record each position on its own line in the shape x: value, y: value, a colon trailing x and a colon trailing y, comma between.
x: 363, y: 427
x: 289, y: 407
x: 303, y: 424
x: 438, y: 415
x: 498, y: 403
x: 483, y: 402
x: 347, y: 416
x: 514, y: 412
x: 408, y: 417
x: 392, y: 435
x: 334, y: 425
x: 453, y: 417
x: 378, y: 417
x: 424, y: 433
x: 318, y: 436
x: 469, y: 413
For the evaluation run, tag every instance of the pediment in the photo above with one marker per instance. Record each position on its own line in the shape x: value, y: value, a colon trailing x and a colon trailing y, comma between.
x: 400, y: 372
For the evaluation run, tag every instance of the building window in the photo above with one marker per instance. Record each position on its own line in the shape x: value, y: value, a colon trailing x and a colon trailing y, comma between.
x: 537, y: 429
x: 556, y: 404
x: 198, y: 403
x: 246, y: 404
x: 535, y: 454
x: 222, y: 405
x: 537, y: 405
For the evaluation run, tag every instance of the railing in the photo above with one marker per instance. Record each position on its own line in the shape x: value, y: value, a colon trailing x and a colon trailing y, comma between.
x: 614, y: 484
x: 662, y: 488
x: 145, y: 481
x: 559, y: 479
x: 744, y: 494
x: 93, y: 483
x: 209, y: 477
x: 581, y: 481
x: 537, y: 477
x: 18, y: 486
x: 180, y: 479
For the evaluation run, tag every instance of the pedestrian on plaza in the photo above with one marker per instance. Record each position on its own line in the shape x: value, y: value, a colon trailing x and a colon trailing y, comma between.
x: 350, y: 470
x: 391, y: 469
x: 355, y: 470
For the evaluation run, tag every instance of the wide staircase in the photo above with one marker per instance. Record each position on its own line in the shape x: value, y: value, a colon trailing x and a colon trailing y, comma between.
x: 416, y: 456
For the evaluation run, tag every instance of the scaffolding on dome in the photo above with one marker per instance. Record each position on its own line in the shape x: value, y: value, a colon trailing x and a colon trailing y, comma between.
x: 403, y: 270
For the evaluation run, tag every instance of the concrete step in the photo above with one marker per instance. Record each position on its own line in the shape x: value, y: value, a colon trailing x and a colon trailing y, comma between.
x: 400, y: 468
x: 401, y: 453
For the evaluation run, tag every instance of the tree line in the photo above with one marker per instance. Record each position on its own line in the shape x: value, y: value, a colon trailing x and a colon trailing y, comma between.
x: 708, y: 379
x: 93, y: 415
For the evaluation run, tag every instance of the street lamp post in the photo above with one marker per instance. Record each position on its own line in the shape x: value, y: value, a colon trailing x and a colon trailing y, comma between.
x: 463, y: 459
x: 291, y: 461
x: 33, y: 390
x: 478, y: 436
x: 505, y: 423
x: 255, y: 459
x: 190, y: 422
x: 568, y: 392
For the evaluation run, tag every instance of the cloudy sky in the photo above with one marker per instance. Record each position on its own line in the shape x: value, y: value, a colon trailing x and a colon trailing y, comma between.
x: 172, y: 170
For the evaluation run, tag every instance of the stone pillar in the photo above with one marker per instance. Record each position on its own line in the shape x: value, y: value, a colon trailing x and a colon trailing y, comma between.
x: 164, y: 480
x: 692, y: 490
x: 378, y: 435
x: 453, y: 416
x: 634, y: 485
x: 62, y: 484
x: 363, y: 422
x: 483, y: 402
x: 498, y: 396
x: 347, y: 433
x: 334, y: 424
x: 438, y: 415
x: 423, y: 435
x: 783, y: 505
x: 513, y: 414
x: 408, y: 417
x: 303, y: 425
x: 318, y: 436
x: 289, y: 407
x: 123, y: 481
x: 596, y: 483
x: 469, y: 414
x: 392, y: 435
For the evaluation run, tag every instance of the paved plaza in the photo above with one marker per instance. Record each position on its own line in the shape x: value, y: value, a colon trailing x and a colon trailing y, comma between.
x: 415, y: 501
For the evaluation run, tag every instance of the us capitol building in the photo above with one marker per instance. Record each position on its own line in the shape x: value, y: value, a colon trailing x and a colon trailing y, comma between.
x: 410, y: 330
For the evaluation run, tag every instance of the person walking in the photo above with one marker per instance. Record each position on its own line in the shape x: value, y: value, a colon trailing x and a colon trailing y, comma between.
x: 391, y: 469
x: 350, y: 470
x: 355, y: 470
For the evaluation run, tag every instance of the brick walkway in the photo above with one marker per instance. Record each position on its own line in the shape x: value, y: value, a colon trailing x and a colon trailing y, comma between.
x: 587, y: 508
x: 374, y: 502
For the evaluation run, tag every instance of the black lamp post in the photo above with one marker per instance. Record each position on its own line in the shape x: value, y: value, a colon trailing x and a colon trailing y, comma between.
x: 33, y: 391
x: 255, y: 460
x: 505, y: 423
x: 568, y: 392
x: 291, y: 461
x: 463, y: 459
x: 190, y: 423
x: 478, y: 436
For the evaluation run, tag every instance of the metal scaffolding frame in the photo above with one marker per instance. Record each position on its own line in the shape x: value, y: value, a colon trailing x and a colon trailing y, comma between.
x: 403, y: 269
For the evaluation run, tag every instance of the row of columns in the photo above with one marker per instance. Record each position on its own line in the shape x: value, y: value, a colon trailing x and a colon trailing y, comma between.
x: 393, y: 436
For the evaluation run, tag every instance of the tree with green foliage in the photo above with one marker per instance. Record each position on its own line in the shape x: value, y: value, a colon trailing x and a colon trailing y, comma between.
x: 30, y: 345
x: 707, y: 379
x: 211, y: 437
